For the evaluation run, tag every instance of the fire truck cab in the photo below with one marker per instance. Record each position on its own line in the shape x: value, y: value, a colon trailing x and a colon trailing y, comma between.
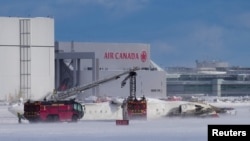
x: 51, y: 111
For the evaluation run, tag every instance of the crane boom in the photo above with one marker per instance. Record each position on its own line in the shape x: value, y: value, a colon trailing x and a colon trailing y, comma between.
x: 74, y: 91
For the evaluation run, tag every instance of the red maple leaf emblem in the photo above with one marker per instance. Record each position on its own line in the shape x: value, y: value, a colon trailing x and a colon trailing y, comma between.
x: 143, y: 56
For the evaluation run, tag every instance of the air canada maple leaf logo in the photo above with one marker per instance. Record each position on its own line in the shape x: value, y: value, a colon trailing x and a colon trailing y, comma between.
x: 144, y: 56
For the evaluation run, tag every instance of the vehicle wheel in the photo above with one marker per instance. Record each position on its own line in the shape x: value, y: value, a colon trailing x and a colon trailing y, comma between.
x: 55, y: 118
x: 33, y: 121
x: 49, y: 118
x: 52, y: 118
x: 74, y: 118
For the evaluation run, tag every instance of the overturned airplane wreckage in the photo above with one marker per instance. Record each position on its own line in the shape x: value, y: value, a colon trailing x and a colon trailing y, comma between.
x: 199, y: 109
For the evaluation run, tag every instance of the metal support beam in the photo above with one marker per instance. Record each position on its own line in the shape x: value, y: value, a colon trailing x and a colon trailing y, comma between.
x: 76, y: 57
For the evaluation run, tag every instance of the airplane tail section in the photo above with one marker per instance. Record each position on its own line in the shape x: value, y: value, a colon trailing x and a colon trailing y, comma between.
x: 17, y: 109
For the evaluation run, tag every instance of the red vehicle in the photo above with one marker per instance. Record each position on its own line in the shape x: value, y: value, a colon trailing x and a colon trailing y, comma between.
x: 137, y: 109
x: 51, y: 111
x: 56, y: 108
x: 133, y: 108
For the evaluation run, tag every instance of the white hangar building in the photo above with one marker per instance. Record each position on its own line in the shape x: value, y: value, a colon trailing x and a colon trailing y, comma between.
x: 96, y: 61
x: 26, y: 57
x: 33, y: 64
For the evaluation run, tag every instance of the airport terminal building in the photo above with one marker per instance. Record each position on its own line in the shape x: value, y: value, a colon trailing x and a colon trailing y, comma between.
x: 210, y: 78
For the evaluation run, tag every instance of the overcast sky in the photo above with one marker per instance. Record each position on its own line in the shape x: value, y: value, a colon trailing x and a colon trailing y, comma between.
x: 178, y: 31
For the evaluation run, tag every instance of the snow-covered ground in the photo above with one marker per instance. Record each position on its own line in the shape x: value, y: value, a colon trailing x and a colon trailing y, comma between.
x: 173, y: 129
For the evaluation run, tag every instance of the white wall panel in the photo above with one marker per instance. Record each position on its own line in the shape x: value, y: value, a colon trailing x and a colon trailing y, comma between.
x: 9, y: 31
x: 9, y: 72
x: 40, y: 70
x: 42, y: 31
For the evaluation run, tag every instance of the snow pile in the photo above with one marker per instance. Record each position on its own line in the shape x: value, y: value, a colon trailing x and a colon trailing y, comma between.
x: 177, y: 129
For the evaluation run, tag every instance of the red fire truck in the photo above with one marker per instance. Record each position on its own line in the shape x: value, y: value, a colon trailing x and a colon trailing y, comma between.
x: 51, y: 111
x: 57, y: 108
x: 137, y: 109
x: 133, y: 108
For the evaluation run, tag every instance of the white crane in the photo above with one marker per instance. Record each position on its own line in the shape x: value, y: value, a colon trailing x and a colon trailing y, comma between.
x: 61, y: 95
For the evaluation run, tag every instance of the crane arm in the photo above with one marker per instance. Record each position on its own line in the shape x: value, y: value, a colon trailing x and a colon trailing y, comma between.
x: 74, y: 91
x: 123, y: 83
x: 132, y: 77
